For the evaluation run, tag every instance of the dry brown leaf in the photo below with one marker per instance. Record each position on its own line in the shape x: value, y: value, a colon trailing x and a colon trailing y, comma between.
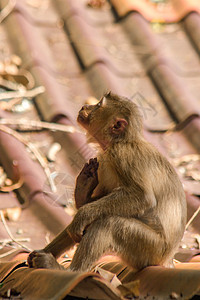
x: 130, y: 289
x: 12, y: 214
x: 96, y: 3
x: 162, y: 283
x: 109, y: 276
x: 186, y: 159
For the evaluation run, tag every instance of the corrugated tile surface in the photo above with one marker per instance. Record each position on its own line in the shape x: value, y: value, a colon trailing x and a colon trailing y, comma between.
x: 145, y: 50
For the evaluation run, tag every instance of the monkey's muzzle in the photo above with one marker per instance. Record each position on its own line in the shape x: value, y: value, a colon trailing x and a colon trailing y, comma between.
x: 83, y: 115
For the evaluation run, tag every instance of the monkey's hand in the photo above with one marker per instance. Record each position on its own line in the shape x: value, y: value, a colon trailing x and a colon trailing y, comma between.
x: 86, y: 182
x: 41, y: 259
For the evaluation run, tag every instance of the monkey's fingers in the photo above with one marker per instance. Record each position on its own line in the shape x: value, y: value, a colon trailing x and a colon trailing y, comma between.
x: 93, y: 167
x: 94, y: 163
x: 89, y: 169
x: 92, y: 160
x: 86, y: 169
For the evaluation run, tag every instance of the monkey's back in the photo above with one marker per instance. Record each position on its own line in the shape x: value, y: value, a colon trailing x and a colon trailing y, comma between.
x: 170, y: 197
x: 141, y: 164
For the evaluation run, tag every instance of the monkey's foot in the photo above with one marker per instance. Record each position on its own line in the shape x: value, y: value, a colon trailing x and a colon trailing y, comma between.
x: 40, y: 259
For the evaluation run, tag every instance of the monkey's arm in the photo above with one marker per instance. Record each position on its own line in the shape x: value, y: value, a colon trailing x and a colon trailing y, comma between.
x: 86, y: 182
x: 118, y: 203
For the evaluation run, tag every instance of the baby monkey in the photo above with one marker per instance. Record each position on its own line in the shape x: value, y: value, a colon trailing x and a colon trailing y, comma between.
x: 130, y: 200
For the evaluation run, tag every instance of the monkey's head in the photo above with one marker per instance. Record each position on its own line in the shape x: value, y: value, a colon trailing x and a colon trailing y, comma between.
x: 113, y: 119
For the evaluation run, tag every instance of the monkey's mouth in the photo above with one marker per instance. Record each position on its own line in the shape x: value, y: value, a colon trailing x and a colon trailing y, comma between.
x: 83, y: 118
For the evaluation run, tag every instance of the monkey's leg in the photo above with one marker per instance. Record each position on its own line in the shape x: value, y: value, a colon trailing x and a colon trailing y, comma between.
x: 46, y: 258
x: 96, y: 242
x: 138, y: 244
x: 135, y: 242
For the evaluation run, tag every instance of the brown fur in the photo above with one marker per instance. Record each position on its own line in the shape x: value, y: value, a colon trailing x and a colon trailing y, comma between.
x: 130, y: 199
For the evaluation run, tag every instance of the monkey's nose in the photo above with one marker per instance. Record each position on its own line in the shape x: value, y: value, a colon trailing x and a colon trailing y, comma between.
x: 86, y: 106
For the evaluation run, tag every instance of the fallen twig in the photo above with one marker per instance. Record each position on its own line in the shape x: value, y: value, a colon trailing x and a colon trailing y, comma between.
x: 7, y: 241
x: 32, y: 124
x: 7, y: 253
x: 186, y: 159
x: 7, y: 10
x: 10, y: 234
x: 192, y: 218
x: 14, y: 186
x: 22, y: 93
x: 9, y: 84
x: 4, y: 105
x: 35, y: 152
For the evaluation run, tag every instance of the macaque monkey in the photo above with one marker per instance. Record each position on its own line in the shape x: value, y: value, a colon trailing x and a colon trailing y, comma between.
x: 130, y: 200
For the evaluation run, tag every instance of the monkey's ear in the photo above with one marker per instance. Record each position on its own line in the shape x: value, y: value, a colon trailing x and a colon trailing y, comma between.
x: 108, y: 94
x: 118, y: 126
x: 104, y: 102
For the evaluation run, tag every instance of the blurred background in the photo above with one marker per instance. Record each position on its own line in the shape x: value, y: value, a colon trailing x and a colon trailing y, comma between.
x: 56, y: 56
